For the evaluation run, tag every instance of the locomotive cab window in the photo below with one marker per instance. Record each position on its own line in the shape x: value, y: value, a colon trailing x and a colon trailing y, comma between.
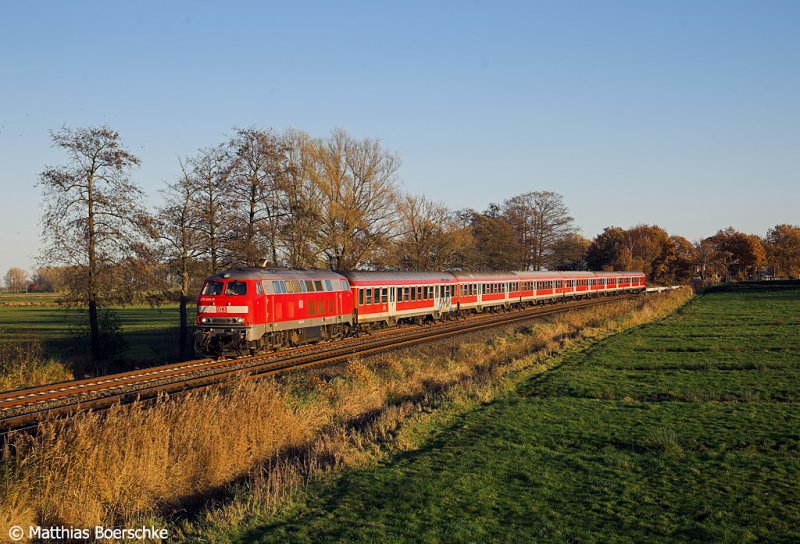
x: 236, y: 288
x: 213, y: 288
x: 328, y: 286
x: 259, y: 291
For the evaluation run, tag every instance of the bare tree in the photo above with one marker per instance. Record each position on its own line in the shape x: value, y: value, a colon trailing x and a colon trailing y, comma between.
x: 430, y: 238
x: 303, y: 201
x: 210, y: 172
x: 257, y: 178
x: 180, y: 232
x: 540, y: 220
x: 50, y: 278
x: 92, y: 218
x: 359, y: 192
x: 16, y: 280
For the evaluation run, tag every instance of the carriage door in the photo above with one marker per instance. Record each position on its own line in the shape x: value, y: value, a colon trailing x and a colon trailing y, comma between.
x: 445, y: 302
x: 392, y: 301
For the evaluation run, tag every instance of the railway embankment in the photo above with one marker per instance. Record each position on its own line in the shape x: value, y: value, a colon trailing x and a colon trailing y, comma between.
x: 246, y: 449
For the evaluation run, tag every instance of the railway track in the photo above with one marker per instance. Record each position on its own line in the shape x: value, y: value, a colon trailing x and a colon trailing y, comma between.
x: 25, y: 408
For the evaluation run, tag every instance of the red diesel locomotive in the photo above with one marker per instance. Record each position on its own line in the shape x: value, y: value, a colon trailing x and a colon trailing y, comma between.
x: 247, y: 310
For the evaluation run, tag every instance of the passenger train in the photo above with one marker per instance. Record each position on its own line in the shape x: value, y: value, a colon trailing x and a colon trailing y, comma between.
x: 246, y: 310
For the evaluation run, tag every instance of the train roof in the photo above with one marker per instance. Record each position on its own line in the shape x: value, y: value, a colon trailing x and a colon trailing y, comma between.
x: 370, y: 276
x: 484, y: 276
x: 500, y: 276
x: 258, y: 273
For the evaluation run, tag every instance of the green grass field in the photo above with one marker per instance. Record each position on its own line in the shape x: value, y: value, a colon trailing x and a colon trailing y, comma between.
x: 684, y: 430
x: 149, y: 332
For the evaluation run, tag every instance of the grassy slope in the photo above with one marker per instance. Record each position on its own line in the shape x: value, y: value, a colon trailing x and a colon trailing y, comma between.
x: 687, y: 429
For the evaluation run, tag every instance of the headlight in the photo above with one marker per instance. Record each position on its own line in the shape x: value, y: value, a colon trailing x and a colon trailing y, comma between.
x: 240, y: 320
x: 204, y: 320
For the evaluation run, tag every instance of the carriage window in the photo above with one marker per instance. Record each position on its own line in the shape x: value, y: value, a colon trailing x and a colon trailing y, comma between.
x: 419, y: 293
x: 318, y: 286
x: 392, y: 290
x: 328, y: 286
x: 369, y: 297
x: 236, y: 288
x: 377, y: 296
x: 385, y: 295
x: 360, y: 297
x: 213, y: 288
x: 413, y: 294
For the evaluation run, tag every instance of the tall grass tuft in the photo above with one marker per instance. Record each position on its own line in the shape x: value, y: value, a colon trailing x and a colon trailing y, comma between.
x: 252, y: 445
x: 23, y: 364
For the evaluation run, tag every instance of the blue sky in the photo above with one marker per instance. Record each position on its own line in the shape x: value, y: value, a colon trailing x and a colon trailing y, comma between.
x: 682, y: 114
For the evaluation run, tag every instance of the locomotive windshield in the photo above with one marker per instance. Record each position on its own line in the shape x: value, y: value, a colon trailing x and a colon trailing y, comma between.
x: 213, y: 288
x: 235, y: 288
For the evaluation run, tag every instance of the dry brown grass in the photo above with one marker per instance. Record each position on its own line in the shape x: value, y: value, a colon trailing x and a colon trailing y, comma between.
x: 22, y: 364
x: 268, y: 437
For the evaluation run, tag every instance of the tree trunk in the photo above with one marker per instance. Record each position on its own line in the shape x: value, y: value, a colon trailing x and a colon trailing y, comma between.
x: 94, y: 328
x: 183, y: 337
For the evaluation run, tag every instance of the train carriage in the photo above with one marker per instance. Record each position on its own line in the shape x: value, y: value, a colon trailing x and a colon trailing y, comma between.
x: 479, y: 291
x: 389, y: 297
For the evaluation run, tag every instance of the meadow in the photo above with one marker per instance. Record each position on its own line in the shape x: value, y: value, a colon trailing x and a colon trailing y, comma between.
x: 686, y: 429
x: 149, y: 333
